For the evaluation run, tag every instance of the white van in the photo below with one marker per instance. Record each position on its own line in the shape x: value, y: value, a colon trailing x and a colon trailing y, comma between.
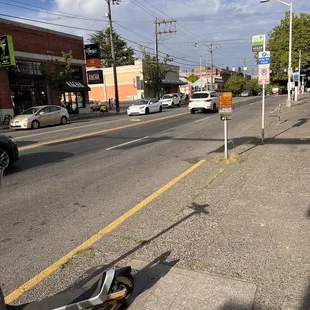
x: 203, y: 101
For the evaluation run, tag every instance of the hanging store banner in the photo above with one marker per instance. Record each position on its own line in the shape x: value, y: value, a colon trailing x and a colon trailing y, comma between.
x: 7, y: 57
x: 92, y: 55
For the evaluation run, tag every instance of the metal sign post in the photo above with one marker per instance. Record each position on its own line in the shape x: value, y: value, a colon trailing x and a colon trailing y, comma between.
x: 263, y: 79
x: 225, y: 110
x: 225, y: 139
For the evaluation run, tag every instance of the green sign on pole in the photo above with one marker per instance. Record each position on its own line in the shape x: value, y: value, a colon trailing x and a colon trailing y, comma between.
x: 258, y: 43
x: 7, y: 57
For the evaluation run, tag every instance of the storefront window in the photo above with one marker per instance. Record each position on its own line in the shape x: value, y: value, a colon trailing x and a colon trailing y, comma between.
x: 27, y: 86
x: 73, y: 101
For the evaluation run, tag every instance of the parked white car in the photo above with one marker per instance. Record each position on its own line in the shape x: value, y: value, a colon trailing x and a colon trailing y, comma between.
x: 145, y: 106
x: 203, y: 101
x: 170, y: 100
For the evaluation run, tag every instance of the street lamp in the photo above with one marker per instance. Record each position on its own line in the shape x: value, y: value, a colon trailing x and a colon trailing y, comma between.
x: 290, y: 4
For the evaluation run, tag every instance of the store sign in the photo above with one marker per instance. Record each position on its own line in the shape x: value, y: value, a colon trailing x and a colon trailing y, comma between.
x: 7, y: 57
x: 92, y: 55
x: 75, y: 84
x: 95, y: 77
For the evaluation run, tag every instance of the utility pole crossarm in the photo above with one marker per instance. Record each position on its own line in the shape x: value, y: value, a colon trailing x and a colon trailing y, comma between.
x: 157, y: 24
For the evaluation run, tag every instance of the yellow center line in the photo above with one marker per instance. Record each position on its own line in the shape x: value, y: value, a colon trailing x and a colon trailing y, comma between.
x: 94, y: 133
x: 89, y: 242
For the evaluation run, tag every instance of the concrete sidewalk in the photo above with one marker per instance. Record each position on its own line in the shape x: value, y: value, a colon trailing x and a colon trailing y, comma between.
x: 252, y: 247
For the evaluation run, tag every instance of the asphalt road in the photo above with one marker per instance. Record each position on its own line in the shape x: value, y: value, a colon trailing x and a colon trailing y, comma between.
x: 89, y: 173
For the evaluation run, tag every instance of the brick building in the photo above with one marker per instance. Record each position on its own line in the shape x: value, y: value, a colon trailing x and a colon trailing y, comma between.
x: 24, y: 85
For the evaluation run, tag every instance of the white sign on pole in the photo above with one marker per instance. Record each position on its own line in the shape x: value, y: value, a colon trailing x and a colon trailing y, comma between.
x: 264, y: 75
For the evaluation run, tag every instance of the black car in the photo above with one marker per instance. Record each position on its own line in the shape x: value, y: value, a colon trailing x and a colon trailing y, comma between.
x: 8, y: 152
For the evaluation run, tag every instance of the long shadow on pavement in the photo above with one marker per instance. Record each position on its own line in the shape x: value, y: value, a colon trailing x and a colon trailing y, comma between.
x: 33, y: 160
x: 157, y: 269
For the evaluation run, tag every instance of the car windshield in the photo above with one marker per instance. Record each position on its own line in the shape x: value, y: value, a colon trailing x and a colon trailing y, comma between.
x: 168, y: 96
x: 140, y: 102
x: 30, y: 111
x: 200, y: 95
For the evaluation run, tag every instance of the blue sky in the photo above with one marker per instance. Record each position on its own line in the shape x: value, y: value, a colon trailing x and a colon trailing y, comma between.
x: 228, y: 24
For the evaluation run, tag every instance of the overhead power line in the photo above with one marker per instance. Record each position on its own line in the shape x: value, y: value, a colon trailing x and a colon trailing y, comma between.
x: 86, y: 29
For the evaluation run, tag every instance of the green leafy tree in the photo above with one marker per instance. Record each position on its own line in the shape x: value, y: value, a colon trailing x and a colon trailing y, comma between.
x: 279, y: 42
x: 56, y: 74
x: 253, y: 86
x: 124, y: 55
x: 235, y: 84
x: 193, y: 78
x: 154, y: 74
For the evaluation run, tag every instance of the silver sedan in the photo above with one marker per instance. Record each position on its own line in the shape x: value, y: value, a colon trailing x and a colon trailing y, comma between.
x: 40, y: 116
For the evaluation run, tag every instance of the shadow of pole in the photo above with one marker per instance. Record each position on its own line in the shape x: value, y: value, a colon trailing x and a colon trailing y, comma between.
x: 197, y: 209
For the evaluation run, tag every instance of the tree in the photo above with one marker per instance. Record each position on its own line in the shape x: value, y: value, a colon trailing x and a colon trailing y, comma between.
x: 193, y: 78
x: 154, y: 74
x: 124, y: 55
x: 279, y: 42
x: 56, y: 74
x: 235, y: 84
x: 253, y: 86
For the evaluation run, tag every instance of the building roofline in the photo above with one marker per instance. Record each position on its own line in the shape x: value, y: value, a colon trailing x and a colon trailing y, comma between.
x: 29, y: 26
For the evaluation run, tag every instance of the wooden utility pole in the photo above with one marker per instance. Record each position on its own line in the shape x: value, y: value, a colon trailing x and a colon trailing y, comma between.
x: 113, y: 54
x: 244, y: 65
x: 211, y: 60
x: 158, y: 23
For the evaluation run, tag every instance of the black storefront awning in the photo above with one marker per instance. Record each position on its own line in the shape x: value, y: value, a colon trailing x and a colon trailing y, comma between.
x: 74, y: 86
x: 174, y: 83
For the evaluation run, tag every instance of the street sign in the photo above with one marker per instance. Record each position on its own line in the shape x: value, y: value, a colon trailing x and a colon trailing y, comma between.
x: 225, y: 106
x: 295, y: 76
x: 303, y: 74
x: 258, y: 43
x: 264, y: 58
x: 7, y: 57
x: 263, y: 75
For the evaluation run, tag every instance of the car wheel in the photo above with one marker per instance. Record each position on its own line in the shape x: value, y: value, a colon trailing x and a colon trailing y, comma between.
x: 5, y: 159
x: 63, y: 120
x: 214, y: 108
x: 147, y: 111
x: 192, y: 111
x: 92, y: 110
x: 35, y: 124
x: 179, y: 104
x: 160, y: 109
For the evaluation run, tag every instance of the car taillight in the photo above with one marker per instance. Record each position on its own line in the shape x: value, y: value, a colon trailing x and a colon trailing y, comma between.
x: 190, y: 100
x: 208, y: 100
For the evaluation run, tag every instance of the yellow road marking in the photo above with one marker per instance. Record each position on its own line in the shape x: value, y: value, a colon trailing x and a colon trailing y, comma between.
x: 36, y: 145
x: 89, y: 242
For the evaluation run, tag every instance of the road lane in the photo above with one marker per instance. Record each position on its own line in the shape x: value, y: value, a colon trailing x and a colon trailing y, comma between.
x: 59, y: 195
x: 85, y: 126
